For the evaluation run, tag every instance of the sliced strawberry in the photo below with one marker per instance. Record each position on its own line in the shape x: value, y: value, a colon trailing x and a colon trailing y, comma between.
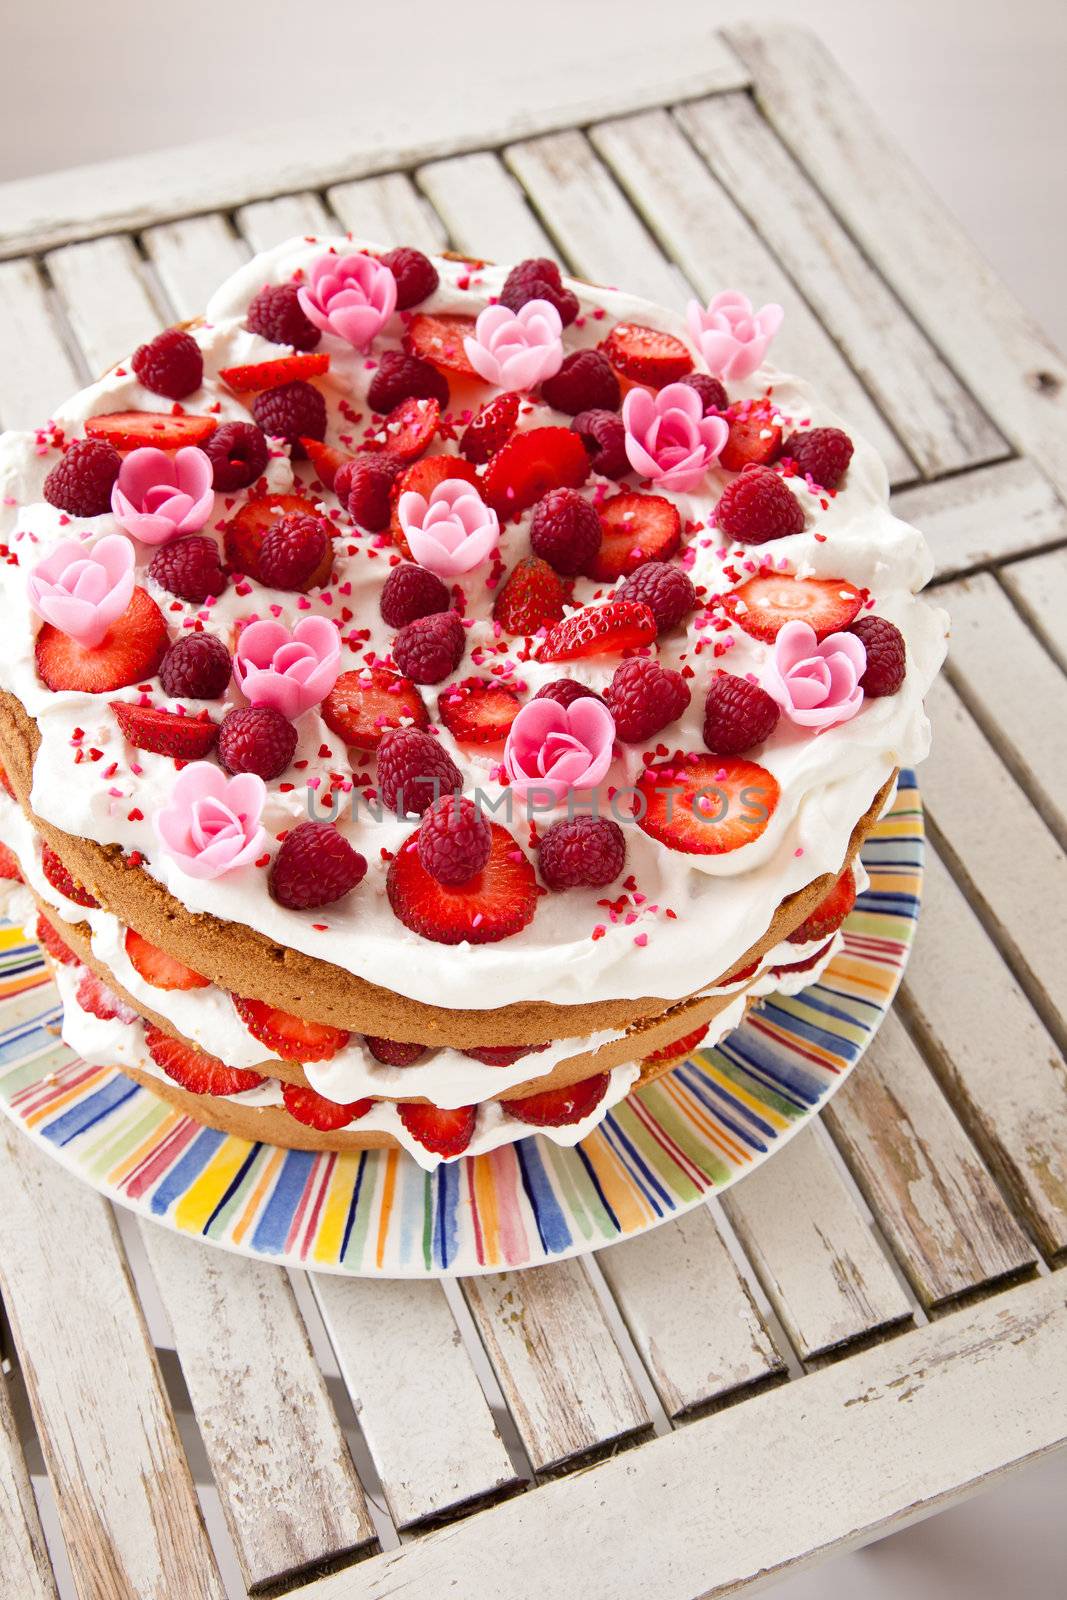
x: 646, y: 354
x: 128, y: 653
x: 599, y: 630
x: 325, y: 459
x: 532, y: 597
x: 504, y: 1055
x: 560, y: 1108
x: 531, y: 464
x: 289, y: 1037
x: 445, y: 1132
x: 805, y: 965
x: 315, y: 1111
x: 741, y: 974
x: 497, y: 903
x: 753, y: 437
x: 764, y: 604
x: 50, y: 940
x: 408, y: 429
x: 490, y: 428
x: 100, y: 1001
x: 64, y: 881
x: 130, y: 430
x: 637, y: 528
x: 166, y: 733
x: 422, y: 477
x: 679, y: 1047
x: 440, y: 340
x: 194, y: 1070
x: 365, y: 703
x: 9, y: 867
x: 5, y: 783
x: 161, y: 970
x: 246, y: 530
x: 266, y: 374
x: 830, y: 913
x: 478, y: 710
x: 705, y: 805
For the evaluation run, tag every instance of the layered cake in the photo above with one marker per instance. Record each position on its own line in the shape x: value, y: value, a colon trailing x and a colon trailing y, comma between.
x: 435, y: 697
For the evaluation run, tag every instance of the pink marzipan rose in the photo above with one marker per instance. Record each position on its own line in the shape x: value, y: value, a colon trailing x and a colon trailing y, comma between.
x: 816, y: 684
x: 210, y: 824
x: 517, y: 349
x: 350, y: 296
x: 552, y: 748
x: 452, y: 531
x: 290, y: 672
x: 732, y: 338
x: 82, y: 590
x: 668, y: 437
x: 155, y: 498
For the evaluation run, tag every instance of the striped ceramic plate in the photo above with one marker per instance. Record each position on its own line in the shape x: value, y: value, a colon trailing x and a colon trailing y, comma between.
x: 698, y: 1128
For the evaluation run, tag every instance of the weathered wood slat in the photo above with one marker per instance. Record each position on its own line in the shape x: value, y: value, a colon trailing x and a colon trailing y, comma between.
x: 419, y: 1403
x: 23, y: 1554
x: 992, y: 1056
x: 896, y: 1431
x: 37, y: 368
x: 387, y: 210
x: 560, y: 1371
x: 1039, y: 589
x: 106, y: 299
x: 813, y: 1252
x: 690, y: 1314
x: 192, y: 258
x: 483, y: 208
x: 923, y: 1179
x: 911, y: 238
x: 126, y: 1503
x: 990, y: 514
x: 939, y: 422
x: 268, y: 222
x: 289, y: 1491
x: 701, y: 228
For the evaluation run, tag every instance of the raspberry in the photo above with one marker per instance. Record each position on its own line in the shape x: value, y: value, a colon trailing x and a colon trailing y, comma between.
x: 566, y: 691
x: 292, y: 550
x: 276, y: 314
x: 410, y: 592
x: 604, y: 437
x: 757, y: 506
x: 415, y: 274
x: 170, y: 365
x: 584, y: 382
x: 414, y: 771
x: 403, y: 377
x: 643, y: 697
x: 711, y: 392
x: 256, y: 739
x: 664, y: 588
x: 291, y: 410
x: 365, y: 485
x: 886, y: 664
x: 565, y: 531
x: 393, y: 1052
x: 583, y: 852
x: 315, y: 866
x: 539, y: 279
x: 738, y: 714
x: 238, y: 454
x: 454, y: 841
x: 189, y: 568
x: 196, y: 667
x: 822, y: 453
x: 429, y: 648
x: 81, y: 483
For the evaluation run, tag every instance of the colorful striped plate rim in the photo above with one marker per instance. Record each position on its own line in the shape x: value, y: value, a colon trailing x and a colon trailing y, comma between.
x: 700, y: 1127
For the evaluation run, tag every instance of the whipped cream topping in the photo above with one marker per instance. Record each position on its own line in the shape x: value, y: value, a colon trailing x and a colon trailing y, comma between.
x: 573, y: 951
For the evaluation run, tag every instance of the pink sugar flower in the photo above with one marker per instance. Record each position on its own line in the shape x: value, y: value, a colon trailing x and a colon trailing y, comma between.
x: 350, y: 296
x: 732, y: 338
x: 553, y: 748
x: 517, y: 349
x: 210, y: 824
x: 668, y: 437
x: 290, y: 672
x: 451, y: 531
x: 83, y: 590
x: 156, y: 497
x: 816, y: 685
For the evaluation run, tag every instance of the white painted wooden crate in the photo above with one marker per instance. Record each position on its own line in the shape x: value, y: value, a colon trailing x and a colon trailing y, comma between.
x: 867, y: 1327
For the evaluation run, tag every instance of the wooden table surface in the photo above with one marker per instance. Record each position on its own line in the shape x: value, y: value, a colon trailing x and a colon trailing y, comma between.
x: 867, y: 1327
